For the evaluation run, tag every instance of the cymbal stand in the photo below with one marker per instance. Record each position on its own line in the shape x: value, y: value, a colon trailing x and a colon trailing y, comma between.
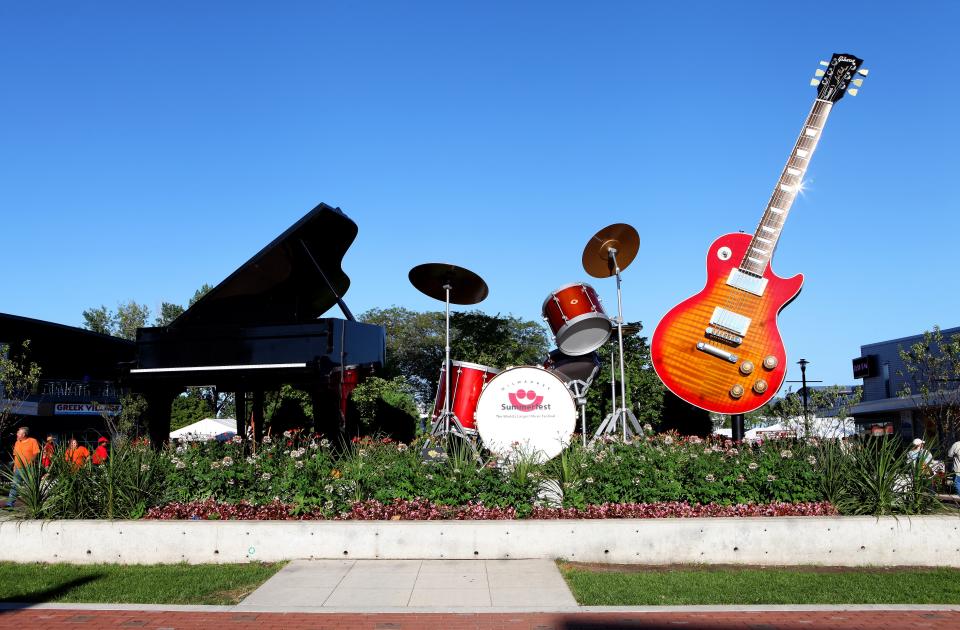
x: 620, y: 415
x: 447, y: 423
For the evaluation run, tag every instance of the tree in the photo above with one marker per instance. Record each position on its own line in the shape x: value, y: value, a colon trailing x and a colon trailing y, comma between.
x: 187, y: 408
x: 19, y: 377
x: 199, y: 293
x: 168, y: 313
x: 99, y: 320
x: 931, y: 371
x: 645, y: 392
x: 822, y: 402
x: 123, y: 323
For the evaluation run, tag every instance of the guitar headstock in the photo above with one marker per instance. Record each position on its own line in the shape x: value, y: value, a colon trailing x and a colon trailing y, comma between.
x: 835, y: 77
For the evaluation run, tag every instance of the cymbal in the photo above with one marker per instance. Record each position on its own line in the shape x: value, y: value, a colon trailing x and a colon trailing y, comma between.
x: 466, y: 287
x: 628, y: 331
x: 596, y: 255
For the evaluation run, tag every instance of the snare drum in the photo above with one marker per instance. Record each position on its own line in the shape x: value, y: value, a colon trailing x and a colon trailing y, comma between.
x: 467, y: 380
x: 583, y: 368
x: 577, y: 319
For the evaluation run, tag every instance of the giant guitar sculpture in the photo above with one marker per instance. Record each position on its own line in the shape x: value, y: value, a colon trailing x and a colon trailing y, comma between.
x: 720, y: 349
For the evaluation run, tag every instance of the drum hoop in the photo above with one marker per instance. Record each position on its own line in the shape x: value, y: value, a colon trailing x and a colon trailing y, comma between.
x: 580, y: 318
x: 553, y: 293
x: 518, y: 367
x: 473, y: 366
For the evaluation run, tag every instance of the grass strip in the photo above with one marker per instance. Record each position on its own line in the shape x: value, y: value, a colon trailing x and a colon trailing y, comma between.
x: 593, y: 586
x: 132, y: 584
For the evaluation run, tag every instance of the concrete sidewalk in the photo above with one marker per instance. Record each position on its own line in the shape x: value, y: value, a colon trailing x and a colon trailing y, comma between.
x: 305, y: 585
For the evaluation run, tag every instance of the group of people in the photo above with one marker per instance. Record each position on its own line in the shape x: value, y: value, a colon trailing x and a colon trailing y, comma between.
x: 26, y: 450
x: 919, y: 452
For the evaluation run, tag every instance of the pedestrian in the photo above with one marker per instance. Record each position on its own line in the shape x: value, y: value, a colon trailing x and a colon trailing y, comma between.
x: 917, y: 452
x: 76, y: 454
x: 49, y: 448
x: 24, y: 452
x: 954, y: 453
x: 100, y: 453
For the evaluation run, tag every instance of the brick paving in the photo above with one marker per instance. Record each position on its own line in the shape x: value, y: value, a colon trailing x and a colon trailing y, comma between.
x: 753, y: 620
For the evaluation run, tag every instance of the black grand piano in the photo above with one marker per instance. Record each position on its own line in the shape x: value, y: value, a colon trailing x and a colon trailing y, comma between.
x: 262, y: 327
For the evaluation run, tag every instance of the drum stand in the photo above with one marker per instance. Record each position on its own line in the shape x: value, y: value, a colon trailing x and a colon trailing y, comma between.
x: 447, y: 423
x: 622, y: 415
x: 579, y: 390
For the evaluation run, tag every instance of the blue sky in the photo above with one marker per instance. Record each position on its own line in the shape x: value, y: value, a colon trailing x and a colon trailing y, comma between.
x: 147, y: 149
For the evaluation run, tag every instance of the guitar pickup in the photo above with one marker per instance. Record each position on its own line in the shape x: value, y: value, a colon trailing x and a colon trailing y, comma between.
x: 723, y: 336
x: 717, y: 352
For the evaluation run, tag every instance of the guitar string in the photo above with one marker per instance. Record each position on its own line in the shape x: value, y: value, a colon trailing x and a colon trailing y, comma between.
x: 736, y: 299
x: 779, y: 199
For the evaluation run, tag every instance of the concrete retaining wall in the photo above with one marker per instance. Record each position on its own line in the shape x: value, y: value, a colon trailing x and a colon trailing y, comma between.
x: 837, y: 541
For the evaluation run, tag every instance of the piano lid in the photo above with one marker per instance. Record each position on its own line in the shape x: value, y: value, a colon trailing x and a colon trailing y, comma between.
x: 281, y: 284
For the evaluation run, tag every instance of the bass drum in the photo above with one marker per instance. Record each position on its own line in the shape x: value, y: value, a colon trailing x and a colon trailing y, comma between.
x: 526, y: 412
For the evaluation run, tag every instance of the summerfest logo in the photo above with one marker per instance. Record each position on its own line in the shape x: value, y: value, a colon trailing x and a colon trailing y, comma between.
x: 535, y: 401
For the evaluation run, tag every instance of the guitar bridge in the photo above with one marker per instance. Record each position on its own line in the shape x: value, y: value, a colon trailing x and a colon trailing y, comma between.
x: 723, y: 336
x: 717, y: 352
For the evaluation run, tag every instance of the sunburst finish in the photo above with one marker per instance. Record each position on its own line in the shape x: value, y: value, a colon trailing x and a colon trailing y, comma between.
x: 705, y: 380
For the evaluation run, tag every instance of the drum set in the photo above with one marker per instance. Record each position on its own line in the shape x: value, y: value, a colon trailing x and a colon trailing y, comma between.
x: 531, y: 411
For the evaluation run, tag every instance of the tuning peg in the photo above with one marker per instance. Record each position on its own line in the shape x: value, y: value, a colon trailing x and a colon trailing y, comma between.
x: 814, y: 82
x: 819, y: 73
x: 824, y: 63
x: 863, y: 71
x: 852, y: 91
x: 857, y: 82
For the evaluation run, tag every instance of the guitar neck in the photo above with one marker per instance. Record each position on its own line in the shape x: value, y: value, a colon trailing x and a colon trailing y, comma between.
x: 765, y: 239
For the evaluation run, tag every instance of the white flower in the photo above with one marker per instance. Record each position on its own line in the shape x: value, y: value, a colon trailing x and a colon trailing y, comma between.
x: 647, y: 428
x: 428, y: 477
x: 227, y: 461
x: 668, y: 440
x: 402, y: 447
x: 314, y: 446
x: 325, y: 443
x: 710, y: 478
x: 753, y: 465
x: 740, y: 479
x: 362, y: 452
x: 214, y: 465
x: 230, y: 482
x: 786, y: 454
x: 328, y: 488
x: 456, y: 471
x: 589, y: 480
x: 266, y: 476
x: 236, y: 439
x: 251, y: 459
x: 287, y: 434
x: 771, y: 477
x: 180, y: 465
x: 299, y: 464
x: 636, y: 481
x: 812, y: 460
x: 267, y: 439
x: 144, y: 467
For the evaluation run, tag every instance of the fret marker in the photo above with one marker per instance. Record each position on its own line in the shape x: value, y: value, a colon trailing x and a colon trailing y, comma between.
x: 767, y: 229
x: 794, y: 171
x: 765, y: 241
x: 756, y: 260
x: 776, y: 210
x: 803, y: 153
x: 786, y: 188
x: 810, y: 131
x: 759, y: 250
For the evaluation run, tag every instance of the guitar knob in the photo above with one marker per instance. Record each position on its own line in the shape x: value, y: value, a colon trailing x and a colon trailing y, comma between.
x: 736, y: 391
x: 746, y: 367
x: 771, y: 362
x: 760, y: 386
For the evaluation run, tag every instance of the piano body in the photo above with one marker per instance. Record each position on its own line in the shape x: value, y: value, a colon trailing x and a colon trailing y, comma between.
x: 261, y: 328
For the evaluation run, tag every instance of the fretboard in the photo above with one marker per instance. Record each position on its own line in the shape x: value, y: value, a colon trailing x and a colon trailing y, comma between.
x: 765, y: 239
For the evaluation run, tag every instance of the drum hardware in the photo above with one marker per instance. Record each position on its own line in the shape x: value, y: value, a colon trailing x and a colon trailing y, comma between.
x: 607, y: 253
x: 451, y: 284
x: 579, y: 372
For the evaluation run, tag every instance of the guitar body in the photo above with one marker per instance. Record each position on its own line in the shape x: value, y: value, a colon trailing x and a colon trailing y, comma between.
x: 706, y: 380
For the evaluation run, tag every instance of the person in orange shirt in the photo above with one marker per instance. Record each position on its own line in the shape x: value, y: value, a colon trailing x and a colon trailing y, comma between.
x: 100, y: 453
x: 24, y: 452
x: 76, y: 454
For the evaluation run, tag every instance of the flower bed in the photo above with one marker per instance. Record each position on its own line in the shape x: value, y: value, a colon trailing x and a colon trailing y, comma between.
x: 420, y: 510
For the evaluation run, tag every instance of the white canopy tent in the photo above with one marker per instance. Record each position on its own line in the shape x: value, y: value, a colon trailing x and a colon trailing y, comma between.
x: 206, y: 429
